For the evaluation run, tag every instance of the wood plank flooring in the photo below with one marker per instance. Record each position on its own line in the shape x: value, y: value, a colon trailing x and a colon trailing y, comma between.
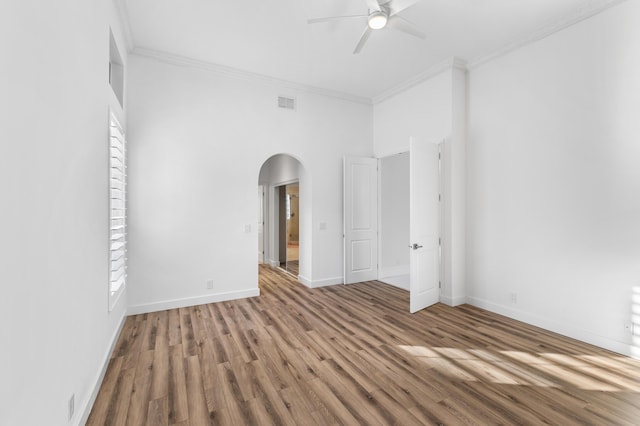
x: 347, y: 355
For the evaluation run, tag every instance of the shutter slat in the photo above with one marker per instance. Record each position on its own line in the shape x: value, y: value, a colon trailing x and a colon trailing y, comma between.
x: 117, y: 254
x: 117, y: 264
x: 115, y: 285
x: 117, y: 245
x: 117, y: 273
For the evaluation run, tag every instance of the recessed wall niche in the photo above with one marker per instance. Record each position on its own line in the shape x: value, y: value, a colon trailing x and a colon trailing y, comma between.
x: 116, y: 70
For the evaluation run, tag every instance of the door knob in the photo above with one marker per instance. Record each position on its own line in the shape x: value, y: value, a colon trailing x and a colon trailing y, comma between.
x: 415, y: 246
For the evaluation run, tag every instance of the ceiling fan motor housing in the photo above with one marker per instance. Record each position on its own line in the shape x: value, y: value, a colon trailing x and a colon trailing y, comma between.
x: 378, y: 19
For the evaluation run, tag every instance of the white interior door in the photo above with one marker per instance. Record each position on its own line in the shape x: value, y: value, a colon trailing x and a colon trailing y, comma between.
x: 424, y: 223
x: 360, y: 219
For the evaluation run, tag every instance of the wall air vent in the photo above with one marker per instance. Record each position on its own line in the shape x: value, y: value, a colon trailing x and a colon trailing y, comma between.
x: 286, y: 103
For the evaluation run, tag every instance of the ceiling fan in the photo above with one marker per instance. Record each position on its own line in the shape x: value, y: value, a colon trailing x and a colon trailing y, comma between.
x: 382, y: 14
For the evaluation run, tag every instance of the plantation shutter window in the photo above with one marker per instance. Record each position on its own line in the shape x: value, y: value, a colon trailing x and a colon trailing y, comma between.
x: 117, y: 211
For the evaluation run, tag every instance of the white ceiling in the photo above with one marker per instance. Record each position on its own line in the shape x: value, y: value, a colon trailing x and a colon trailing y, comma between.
x: 272, y: 37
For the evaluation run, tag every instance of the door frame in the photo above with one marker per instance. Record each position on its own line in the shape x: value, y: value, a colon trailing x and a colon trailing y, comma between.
x: 262, y: 223
x: 440, y: 211
x: 271, y: 231
x: 380, y: 269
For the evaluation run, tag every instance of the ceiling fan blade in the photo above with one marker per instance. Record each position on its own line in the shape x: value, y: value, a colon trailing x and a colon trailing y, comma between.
x: 373, y: 5
x: 333, y: 18
x: 400, y: 24
x: 363, y: 40
x: 397, y: 6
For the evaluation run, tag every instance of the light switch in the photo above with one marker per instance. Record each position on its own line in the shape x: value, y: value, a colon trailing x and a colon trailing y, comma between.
x: 247, y: 229
x: 322, y: 226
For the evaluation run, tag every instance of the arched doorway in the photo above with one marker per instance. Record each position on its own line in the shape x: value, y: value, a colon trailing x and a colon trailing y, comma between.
x: 281, y: 223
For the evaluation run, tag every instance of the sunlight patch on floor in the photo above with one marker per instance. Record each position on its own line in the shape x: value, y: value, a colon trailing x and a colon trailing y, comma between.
x: 521, y: 375
x: 449, y: 369
x: 587, y: 372
x: 419, y: 351
x: 525, y: 357
x: 602, y: 375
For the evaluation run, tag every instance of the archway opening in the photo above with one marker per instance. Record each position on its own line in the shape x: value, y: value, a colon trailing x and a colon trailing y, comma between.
x: 281, y: 236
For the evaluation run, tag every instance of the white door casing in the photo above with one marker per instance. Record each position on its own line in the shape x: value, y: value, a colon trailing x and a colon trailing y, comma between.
x: 360, y: 194
x: 261, y: 220
x: 424, y: 171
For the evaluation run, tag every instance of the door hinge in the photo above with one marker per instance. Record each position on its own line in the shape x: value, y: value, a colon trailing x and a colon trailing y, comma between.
x: 439, y: 284
x: 439, y: 241
x: 439, y: 197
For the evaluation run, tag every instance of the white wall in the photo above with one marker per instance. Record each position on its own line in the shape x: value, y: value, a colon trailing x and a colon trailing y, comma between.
x: 55, y: 327
x: 394, y: 215
x: 197, y: 140
x: 554, y: 180
x: 423, y: 111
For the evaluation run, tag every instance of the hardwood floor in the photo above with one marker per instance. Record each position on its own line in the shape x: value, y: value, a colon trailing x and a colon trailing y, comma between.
x: 354, y: 355
x: 292, y: 267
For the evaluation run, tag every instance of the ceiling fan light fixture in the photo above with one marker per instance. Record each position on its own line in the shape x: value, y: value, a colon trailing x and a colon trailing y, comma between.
x: 377, y: 20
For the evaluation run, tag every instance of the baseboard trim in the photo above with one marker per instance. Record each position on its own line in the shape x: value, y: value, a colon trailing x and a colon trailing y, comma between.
x: 554, y: 326
x: 402, y: 281
x: 273, y: 263
x: 393, y: 271
x: 453, y: 301
x: 320, y: 283
x: 394, y: 284
x: 192, y: 301
x: 88, y: 403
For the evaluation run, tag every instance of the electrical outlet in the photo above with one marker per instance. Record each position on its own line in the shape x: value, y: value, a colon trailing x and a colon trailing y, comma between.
x: 72, y: 406
x: 210, y: 284
x: 513, y: 297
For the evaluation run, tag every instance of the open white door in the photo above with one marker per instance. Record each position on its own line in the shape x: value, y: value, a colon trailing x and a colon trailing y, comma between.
x: 360, y: 219
x: 424, y: 223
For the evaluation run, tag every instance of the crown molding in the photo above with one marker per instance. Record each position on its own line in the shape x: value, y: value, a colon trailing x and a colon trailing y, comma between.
x: 584, y: 13
x: 449, y: 64
x: 453, y: 63
x: 236, y: 73
x: 554, y: 27
x: 123, y: 15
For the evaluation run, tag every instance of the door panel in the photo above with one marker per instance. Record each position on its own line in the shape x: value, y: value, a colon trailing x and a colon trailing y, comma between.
x: 360, y: 219
x: 424, y: 224
x: 361, y: 259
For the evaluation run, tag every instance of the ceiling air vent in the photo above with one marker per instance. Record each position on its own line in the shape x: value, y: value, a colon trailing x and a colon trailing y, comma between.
x: 286, y: 103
